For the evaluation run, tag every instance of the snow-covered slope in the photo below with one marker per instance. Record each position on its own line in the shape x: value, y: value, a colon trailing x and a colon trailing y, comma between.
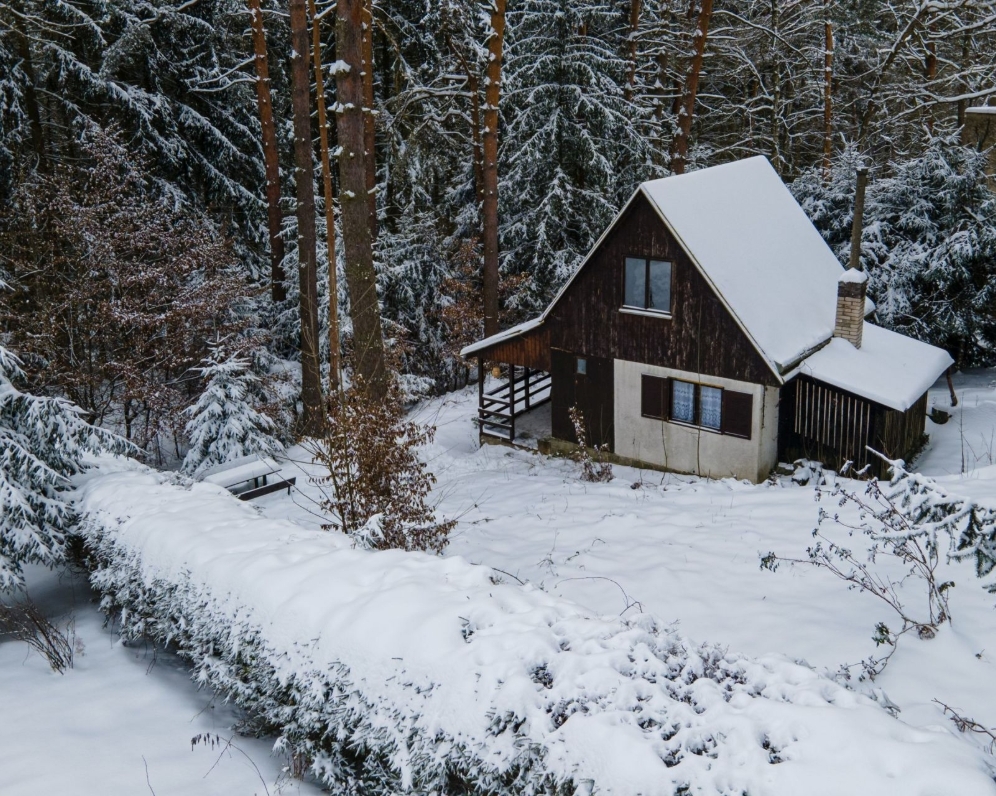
x: 431, y: 663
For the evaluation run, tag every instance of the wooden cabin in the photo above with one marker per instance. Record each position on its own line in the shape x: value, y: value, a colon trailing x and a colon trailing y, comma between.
x: 712, y: 331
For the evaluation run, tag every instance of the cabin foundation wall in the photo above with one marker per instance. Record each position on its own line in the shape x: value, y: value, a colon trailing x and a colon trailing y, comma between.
x: 691, y: 449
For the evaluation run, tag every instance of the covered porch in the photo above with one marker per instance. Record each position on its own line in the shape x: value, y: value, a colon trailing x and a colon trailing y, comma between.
x: 514, y: 407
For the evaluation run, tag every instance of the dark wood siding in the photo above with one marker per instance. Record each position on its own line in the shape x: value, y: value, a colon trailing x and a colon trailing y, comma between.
x: 700, y: 337
x: 528, y: 351
x: 900, y: 435
x: 561, y: 394
x: 593, y: 393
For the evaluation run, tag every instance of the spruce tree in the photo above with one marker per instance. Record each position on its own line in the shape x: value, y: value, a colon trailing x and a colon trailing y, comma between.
x: 224, y: 424
x: 43, y: 443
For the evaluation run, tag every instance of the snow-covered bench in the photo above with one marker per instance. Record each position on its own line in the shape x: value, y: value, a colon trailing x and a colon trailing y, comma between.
x: 249, y: 477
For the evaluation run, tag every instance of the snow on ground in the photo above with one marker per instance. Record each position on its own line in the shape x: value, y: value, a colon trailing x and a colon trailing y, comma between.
x: 687, y: 550
x: 120, y: 722
x: 684, y: 549
x: 432, y: 665
x: 966, y: 444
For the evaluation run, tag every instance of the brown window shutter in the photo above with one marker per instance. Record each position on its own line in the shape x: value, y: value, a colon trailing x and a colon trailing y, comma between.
x: 738, y: 413
x: 653, y: 397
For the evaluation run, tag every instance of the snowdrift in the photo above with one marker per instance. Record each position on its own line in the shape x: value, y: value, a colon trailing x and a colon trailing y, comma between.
x: 393, y: 671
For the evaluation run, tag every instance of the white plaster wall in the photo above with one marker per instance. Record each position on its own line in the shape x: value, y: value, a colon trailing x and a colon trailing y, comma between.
x: 687, y: 449
x: 768, y: 453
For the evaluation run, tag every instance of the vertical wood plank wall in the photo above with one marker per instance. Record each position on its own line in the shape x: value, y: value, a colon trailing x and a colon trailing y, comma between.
x: 833, y: 426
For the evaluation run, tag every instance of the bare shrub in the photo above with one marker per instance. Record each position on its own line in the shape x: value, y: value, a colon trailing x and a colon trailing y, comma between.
x: 114, y: 288
x: 593, y: 470
x: 24, y: 621
x: 913, y: 520
x: 375, y: 485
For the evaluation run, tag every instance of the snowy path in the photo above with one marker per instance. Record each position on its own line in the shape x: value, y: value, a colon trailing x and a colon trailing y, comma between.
x: 119, y: 723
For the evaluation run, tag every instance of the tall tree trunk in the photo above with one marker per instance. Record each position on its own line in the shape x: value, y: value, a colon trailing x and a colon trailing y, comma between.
x: 776, y: 92
x: 369, y: 128
x: 827, y: 89
x: 311, y: 380
x: 361, y: 279
x: 30, y: 95
x: 686, y: 113
x: 492, y: 96
x: 271, y: 160
x: 323, y: 141
x: 635, y: 7
x: 930, y: 74
x: 474, y: 85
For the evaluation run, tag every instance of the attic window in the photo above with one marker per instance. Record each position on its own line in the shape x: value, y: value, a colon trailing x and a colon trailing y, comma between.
x: 647, y: 285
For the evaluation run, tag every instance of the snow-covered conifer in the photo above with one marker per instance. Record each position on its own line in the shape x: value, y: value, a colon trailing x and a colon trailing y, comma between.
x: 43, y: 441
x: 224, y: 424
x: 928, y: 242
x: 568, y: 137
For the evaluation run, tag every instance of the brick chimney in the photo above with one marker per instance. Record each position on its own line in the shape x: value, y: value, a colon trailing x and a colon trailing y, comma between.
x: 851, y: 288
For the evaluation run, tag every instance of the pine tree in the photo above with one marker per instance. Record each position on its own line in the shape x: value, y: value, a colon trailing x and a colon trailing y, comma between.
x: 930, y: 250
x: 928, y: 242
x: 567, y: 133
x: 43, y: 442
x: 224, y: 424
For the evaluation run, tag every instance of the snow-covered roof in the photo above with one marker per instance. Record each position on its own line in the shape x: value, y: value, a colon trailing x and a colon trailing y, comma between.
x: 889, y: 368
x: 240, y: 470
x: 760, y: 251
x: 501, y: 337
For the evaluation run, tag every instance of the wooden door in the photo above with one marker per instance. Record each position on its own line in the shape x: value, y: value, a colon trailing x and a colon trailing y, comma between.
x: 588, y: 383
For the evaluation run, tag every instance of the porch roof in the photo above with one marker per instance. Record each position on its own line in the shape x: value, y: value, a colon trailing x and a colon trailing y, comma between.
x: 483, y: 346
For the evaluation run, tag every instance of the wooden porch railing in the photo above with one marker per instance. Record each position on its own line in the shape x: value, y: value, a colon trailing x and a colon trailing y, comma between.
x: 497, y: 408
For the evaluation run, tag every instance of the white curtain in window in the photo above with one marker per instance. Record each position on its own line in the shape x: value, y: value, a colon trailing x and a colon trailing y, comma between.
x: 683, y: 402
x: 712, y: 406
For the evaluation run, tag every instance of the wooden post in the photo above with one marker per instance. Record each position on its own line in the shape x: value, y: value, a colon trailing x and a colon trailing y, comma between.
x: 511, y: 402
x: 526, y: 370
x: 859, y: 212
x: 480, y: 395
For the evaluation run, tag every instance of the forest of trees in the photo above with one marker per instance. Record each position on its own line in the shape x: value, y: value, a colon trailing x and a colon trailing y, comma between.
x: 175, y: 176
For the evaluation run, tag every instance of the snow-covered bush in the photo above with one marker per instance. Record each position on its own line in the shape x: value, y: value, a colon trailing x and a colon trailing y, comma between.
x: 224, y: 424
x: 592, y: 470
x: 912, y: 520
x: 395, y: 672
x: 43, y: 442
